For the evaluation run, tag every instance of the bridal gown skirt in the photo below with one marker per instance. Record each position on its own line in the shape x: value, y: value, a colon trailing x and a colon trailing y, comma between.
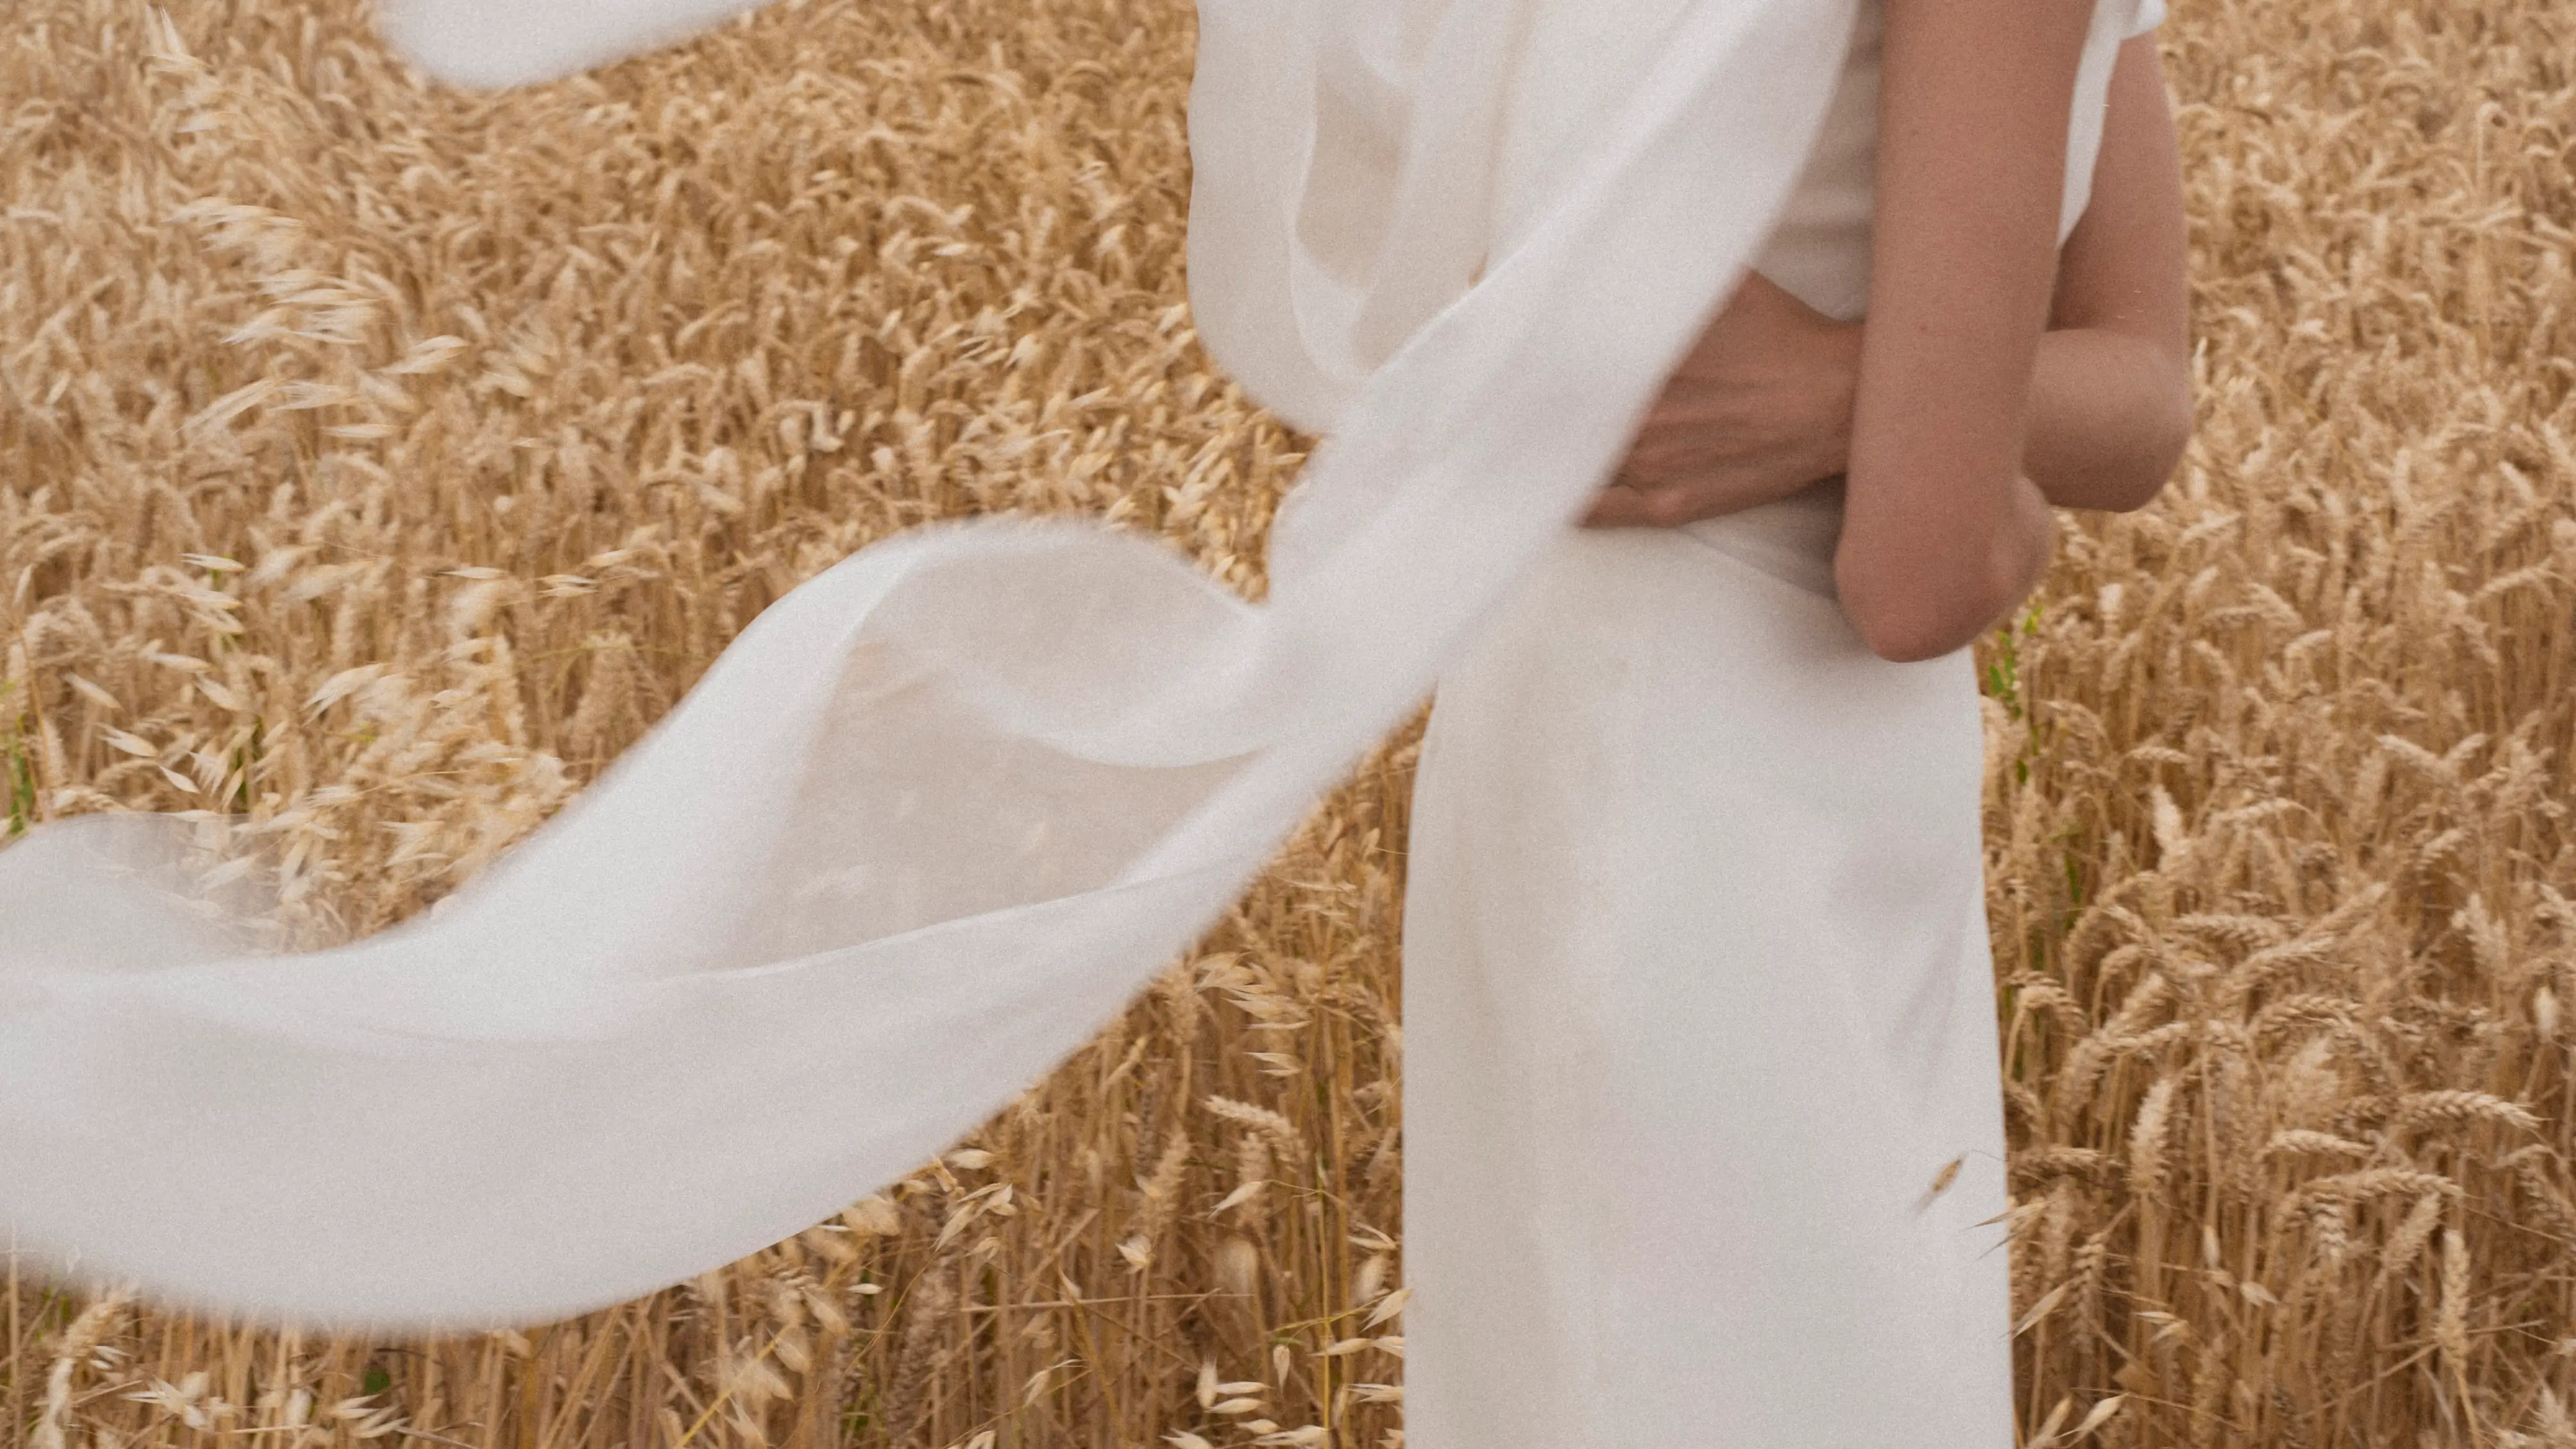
x: 1698, y: 1016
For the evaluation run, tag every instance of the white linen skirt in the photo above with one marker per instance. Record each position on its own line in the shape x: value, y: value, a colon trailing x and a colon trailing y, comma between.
x: 1703, y: 1132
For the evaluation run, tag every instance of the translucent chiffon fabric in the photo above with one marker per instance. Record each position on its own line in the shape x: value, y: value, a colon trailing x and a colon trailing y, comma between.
x: 1703, y: 1137
x: 937, y: 814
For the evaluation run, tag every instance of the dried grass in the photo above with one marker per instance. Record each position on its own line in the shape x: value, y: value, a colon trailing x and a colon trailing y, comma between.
x: 382, y: 461
x: 2280, y: 860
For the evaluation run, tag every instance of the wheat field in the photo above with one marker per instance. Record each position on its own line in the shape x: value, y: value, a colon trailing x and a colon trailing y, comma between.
x: 380, y: 461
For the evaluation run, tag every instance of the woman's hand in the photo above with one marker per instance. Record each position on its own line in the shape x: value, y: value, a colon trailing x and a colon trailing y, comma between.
x: 1761, y: 408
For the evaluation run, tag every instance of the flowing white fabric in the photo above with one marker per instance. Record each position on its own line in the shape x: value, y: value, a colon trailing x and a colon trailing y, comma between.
x: 938, y: 813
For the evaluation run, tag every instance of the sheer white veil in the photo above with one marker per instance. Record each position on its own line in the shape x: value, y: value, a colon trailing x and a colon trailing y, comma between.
x: 935, y: 816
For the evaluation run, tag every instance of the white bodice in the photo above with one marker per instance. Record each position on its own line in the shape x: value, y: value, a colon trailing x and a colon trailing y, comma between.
x: 1575, y: 56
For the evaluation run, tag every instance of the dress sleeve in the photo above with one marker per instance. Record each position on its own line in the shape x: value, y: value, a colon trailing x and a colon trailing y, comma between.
x: 2151, y: 13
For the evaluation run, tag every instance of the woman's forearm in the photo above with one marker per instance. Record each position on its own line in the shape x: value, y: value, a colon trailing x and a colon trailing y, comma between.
x: 2109, y: 414
x: 1938, y: 521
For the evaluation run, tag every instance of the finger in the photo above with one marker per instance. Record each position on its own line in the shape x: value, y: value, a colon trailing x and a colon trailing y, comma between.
x: 1616, y: 506
x: 1645, y: 505
x: 1668, y: 507
x: 1671, y: 505
x: 1759, y: 290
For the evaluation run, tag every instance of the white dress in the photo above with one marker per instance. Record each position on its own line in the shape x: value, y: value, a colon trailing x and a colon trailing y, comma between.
x: 1698, y: 1005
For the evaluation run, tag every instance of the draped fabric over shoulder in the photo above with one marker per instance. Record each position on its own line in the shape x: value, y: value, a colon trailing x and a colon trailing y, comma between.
x: 936, y: 815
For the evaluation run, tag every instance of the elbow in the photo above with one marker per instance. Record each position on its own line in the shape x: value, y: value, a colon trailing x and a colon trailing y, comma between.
x: 1920, y: 604
x: 1913, y: 638
x: 1908, y: 626
x: 2166, y: 437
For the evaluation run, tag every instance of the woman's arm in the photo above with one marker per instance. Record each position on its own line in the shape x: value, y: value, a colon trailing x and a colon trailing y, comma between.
x: 1763, y: 404
x: 2110, y: 405
x: 1942, y: 531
